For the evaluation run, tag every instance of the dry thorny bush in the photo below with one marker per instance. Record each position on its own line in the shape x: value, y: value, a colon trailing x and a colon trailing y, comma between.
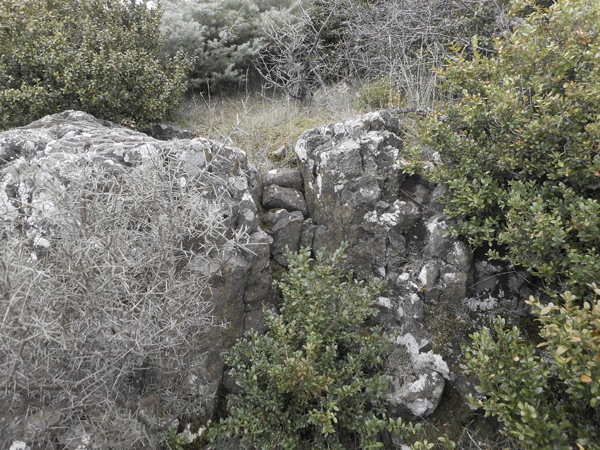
x: 101, y: 322
x: 399, y: 40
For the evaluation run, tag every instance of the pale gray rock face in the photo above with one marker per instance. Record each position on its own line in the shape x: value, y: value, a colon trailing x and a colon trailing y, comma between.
x: 281, y: 197
x: 418, y: 396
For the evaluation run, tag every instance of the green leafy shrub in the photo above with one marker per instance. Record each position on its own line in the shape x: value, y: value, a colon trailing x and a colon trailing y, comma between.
x: 312, y: 380
x: 518, y: 154
x: 98, y: 56
x: 175, y: 441
x: 547, y: 403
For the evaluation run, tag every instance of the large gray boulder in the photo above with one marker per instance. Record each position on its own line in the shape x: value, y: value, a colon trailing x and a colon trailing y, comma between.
x: 40, y: 161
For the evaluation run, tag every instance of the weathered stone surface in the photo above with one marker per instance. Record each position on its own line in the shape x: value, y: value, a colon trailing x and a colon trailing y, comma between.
x: 348, y: 169
x: 287, y: 198
x: 417, y: 378
x: 453, y: 285
x: 417, y: 396
x: 165, y: 132
x: 307, y: 235
x: 259, y: 290
x: 46, y: 155
x: 255, y: 321
x: 438, y: 239
x: 283, y: 177
x: 460, y: 256
x: 285, y: 228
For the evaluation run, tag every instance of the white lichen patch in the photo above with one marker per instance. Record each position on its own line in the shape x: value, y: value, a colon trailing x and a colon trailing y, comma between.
x: 301, y: 149
x: 419, y: 384
x: 486, y: 304
x: 403, y: 277
x: 392, y: 216
x: 248, y: 215
x: 385, y: 302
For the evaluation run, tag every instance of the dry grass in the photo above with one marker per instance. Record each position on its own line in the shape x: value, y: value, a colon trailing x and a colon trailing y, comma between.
x: 266, y: 127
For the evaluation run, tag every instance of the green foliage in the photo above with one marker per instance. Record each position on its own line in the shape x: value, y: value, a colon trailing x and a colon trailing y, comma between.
x: 312, y: 380
x: 546, y: 402
x: 98, y: 56
x: 174, y: 440
x: 519, y: 153
x: 224, y: 37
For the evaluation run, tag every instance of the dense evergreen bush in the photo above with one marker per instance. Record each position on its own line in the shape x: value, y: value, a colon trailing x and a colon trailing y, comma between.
x: 519, y: 153
x: 518, y: 156
x: 312, y: 380
x: 98, y: 56
x: 224, y: 37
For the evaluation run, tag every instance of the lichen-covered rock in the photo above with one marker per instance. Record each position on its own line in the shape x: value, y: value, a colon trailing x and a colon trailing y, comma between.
x: 348, y: 169
x: 281, y: 197
x: 40, y: 160
x: 417, y: 396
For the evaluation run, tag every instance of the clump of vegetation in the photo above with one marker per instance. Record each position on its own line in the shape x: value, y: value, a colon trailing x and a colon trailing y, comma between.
x: 266, y: 128
x: 548, y: 401
x: 314, y: 379
x: 518, y: 156
x: 101, y: 57
x: 101, y: 320
x: 380, y: 93
x: 518, y: 153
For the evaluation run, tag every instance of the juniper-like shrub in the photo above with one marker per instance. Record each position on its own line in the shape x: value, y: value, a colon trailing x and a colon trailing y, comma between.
x: 224, y: 37
x: 313, y: 380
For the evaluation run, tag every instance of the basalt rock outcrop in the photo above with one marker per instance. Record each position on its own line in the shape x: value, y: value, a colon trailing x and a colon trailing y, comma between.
x: 356, y: 191
x: 349, y: 186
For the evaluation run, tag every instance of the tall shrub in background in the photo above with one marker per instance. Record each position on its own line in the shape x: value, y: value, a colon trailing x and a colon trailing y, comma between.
x: 98, y: 56
x: 313, y: 380
x: 397, y: 42
x: 519, y: 157
x: 224, y: 37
